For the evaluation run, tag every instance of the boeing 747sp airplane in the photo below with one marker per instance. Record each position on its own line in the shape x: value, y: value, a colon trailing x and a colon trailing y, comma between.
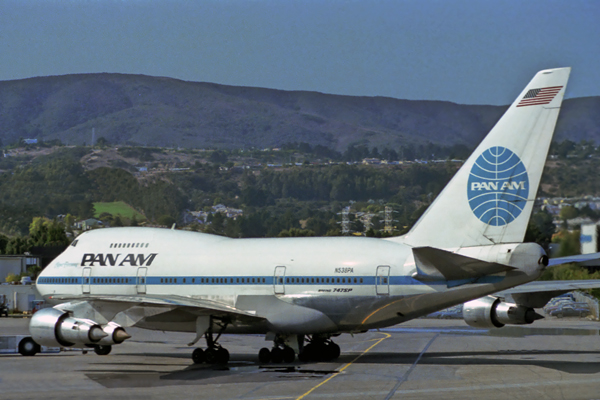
x: 301, y: 292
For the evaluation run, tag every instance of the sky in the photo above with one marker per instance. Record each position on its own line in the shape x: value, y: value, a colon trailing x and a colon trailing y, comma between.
x: 465, y: 51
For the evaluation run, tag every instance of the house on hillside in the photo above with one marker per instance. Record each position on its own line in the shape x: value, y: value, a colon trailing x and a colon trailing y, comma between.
x: 87, y: 224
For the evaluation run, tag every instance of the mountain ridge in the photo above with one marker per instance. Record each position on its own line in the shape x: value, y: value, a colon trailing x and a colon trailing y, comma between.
x: 160, y: 111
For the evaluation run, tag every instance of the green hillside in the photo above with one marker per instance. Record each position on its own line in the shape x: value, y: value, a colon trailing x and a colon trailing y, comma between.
x: 117, y: 208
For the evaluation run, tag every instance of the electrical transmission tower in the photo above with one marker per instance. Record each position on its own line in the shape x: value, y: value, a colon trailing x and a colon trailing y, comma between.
x: 388, y: 219
x: 345, y: 220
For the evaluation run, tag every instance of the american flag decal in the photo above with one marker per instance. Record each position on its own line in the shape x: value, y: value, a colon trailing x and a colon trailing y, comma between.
x: 536, y: 97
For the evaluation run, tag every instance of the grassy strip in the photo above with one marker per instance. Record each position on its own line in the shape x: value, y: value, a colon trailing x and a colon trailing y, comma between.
x: 117, y: 208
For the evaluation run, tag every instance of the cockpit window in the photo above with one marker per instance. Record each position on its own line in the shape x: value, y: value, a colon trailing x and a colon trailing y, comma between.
x: 74, y: 243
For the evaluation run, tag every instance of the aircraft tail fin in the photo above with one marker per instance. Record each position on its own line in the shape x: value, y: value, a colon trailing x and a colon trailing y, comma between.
x: 489, y: 200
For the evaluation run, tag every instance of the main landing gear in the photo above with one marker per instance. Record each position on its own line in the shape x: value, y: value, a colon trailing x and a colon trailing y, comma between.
x: 281, y: 351
x: 319, y: 348
x: 214, y: 353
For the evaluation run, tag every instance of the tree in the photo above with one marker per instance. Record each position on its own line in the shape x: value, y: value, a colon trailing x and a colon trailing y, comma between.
x: 540, y: 230
x: 569, y: 243
x: 11, y: 278
x: 102, y: 142
x: 166, y: 220
x: 46, y: 233
x: 296, y: 232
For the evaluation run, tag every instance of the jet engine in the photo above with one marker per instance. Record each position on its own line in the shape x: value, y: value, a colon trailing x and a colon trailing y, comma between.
x: 491, y: 312
x: 115, y: 334
x: 56, y: 328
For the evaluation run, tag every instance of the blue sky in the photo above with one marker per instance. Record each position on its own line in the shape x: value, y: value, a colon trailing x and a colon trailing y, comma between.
x: 470, y: 52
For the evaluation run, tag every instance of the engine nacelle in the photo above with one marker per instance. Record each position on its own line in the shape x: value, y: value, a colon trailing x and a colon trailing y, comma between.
x: 491, y: 312
x: 55, y: 328
x: 115, y: 334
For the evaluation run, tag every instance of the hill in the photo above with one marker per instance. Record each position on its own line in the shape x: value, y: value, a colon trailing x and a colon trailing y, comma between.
x: 152, y: 111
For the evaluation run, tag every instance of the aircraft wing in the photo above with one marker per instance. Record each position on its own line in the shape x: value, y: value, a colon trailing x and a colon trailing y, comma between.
x: 536, y: 294
x: 127, y: 310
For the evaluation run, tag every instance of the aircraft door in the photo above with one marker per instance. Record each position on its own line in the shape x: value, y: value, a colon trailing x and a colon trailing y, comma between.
x: 382, y: 280
x: 141, y: 280
x: 86, y: 280
x: 278, y: 280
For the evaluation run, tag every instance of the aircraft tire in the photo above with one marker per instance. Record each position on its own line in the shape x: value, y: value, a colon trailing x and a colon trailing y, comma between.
x: 288, y: 355
x: 264, y: 355
x: 27, y: 347
x: 222, y: 356
x: 102, y: 350
x: 198, y: 356
x: 210, y: 356
x: 276, y: 355
x: 333, y: 351
x: 308, y: 353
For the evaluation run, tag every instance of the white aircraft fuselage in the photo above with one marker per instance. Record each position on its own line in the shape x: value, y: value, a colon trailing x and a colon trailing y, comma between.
x: 298, y: 285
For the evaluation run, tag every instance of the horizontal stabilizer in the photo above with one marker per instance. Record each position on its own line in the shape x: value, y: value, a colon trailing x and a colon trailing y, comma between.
x: 436, y: 264
x: 588, y: 259
x: 536, y: 294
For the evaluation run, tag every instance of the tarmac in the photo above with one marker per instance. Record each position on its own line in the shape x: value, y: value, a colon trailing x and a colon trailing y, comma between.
x: 425, y: 358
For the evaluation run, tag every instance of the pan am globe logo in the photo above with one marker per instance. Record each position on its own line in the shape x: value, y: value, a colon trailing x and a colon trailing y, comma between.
x: 498, y: 186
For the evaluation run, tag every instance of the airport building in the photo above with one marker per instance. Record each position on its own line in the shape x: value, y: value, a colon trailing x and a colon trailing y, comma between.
x: 16, y: 264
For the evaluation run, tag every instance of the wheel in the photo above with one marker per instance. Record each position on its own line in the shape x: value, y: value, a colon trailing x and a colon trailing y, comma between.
x: 264, y: 355
x: 276, y: 355
x: 319, y: 351
x: 303, y: 356
x: 307, y: 353
x: 210, y: 356
x: 102, y: 350
x: 222, y: 355
x: 288, y: 355
x: 333, y: 351
x: 27, y: 347
x: 198, y: 356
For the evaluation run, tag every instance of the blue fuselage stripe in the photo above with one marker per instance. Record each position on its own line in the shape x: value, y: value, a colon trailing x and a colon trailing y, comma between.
x: 251, y: 280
